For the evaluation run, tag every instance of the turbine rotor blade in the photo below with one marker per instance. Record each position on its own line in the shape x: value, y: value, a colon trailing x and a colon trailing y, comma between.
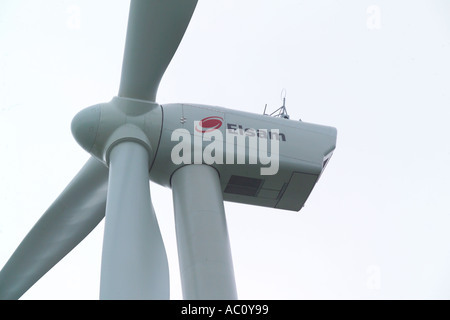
x: 74, y: 214
x: 134, y: 261
x: 155, y: 29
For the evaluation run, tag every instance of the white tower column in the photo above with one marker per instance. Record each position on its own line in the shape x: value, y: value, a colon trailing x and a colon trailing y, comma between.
x: 203, y: 244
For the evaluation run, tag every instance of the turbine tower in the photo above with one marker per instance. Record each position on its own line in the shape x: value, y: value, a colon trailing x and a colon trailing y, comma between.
x: 133, y: 139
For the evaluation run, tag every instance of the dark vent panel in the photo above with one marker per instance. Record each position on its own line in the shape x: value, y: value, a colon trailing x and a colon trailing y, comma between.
x: 243, y: 185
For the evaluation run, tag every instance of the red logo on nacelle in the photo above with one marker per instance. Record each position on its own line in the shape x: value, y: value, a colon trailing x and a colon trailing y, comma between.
x: 209, y: 124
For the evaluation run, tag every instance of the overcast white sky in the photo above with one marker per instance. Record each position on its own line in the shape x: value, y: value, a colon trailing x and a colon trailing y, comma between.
x: 376, y: 225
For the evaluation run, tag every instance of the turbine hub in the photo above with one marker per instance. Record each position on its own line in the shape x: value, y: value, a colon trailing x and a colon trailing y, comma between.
x: 85, y: 126
x: 98, y: 128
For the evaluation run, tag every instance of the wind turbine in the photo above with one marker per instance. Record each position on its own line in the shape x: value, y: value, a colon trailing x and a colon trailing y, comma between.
x: 205, y: 154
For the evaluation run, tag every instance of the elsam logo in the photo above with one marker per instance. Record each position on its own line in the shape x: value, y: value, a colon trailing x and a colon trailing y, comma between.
x: 209, y: 124
x: 240, y: 145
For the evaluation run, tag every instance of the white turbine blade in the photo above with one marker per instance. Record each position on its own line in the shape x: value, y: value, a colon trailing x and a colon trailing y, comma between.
x: 155, y: 29
x: 76, y: 212
x: 204, y: 251
x: 134, y: 261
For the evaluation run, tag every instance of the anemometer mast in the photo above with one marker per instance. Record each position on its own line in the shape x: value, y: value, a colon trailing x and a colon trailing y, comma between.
x: 281, y: 112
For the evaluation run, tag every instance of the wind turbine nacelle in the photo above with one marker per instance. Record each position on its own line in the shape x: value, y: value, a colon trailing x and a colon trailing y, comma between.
x: 261, y: 160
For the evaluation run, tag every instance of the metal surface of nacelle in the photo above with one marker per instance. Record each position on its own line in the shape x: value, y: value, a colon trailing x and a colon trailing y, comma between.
x: 261, y: 160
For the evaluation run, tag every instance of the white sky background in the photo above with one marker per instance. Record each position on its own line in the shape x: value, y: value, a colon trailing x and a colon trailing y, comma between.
x: 376, y: 225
